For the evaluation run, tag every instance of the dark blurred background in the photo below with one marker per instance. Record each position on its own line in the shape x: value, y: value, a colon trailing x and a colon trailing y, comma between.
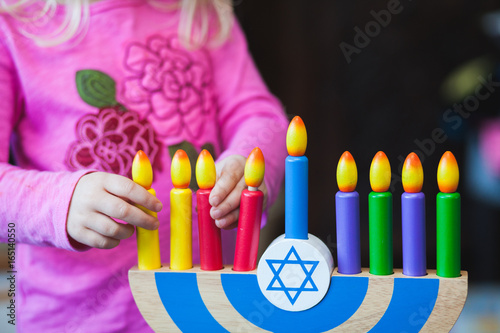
x: 391, y: 96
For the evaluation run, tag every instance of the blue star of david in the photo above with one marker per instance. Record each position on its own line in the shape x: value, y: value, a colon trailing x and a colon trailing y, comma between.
x: 288, y: 261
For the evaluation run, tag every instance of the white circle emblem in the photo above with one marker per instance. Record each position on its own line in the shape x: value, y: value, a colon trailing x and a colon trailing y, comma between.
x: 295, y: 274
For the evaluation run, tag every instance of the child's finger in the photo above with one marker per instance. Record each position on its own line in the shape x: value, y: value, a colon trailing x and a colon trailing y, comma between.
x: 117, y: 208
x: 231, y: 173
x: 109, y: 228
x: 229, y: 221
x: 224, y: 185
x: 125, y: 188
x: 95, y: 239
x: 230, y: 203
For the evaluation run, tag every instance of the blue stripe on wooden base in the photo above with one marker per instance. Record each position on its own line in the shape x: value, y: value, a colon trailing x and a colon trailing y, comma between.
x: 342, y: 300
x: 411, y: 305
x: 181, y: 298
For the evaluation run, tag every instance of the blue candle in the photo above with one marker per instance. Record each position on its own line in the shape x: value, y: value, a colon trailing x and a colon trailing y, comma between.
x: 296, y: 182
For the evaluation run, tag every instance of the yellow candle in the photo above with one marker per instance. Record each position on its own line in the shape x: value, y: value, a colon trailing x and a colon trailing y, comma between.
x: 181, y: 250
x: 148, y: 241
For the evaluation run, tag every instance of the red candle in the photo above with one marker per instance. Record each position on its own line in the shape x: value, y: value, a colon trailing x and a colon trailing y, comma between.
x: 247, y: 239
x: 210, y: 237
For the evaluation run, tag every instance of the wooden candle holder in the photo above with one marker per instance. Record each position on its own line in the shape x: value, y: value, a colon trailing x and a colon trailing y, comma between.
x: 219, y: 301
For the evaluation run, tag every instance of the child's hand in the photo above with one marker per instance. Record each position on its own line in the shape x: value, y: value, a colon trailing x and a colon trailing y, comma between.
x: 226, y: 194
x: 98, y: 198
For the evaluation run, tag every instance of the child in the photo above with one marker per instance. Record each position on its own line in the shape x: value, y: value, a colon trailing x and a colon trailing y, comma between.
x: 83, y: 87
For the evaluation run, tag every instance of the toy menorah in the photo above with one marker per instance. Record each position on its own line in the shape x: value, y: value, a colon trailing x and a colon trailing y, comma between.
x: 295, y: 287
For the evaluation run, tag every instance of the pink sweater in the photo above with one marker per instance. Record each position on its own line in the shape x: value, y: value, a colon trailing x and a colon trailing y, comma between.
x: 127, y: 85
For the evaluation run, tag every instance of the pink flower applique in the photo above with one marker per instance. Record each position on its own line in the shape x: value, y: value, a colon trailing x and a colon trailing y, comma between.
x: 172, y: 86
x: 109, y: 140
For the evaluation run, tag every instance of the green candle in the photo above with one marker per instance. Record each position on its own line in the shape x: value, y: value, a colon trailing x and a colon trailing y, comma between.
x: 380, y: 216
x: 380, y: 225
x: 448, y: 218
x: 448, y: 234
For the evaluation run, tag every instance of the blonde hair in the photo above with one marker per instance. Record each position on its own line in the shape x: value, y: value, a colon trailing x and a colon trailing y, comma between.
x: 198, y: 18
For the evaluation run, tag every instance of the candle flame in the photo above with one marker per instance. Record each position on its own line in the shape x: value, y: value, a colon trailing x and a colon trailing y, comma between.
x: 180, y: 171
x: 142, y: 172
x: 447, y: 174
x: 255, y: 168
x: 413, y: 174
x: 380, y: 173
x: 347, y: 173
x: 296, y: 137
x: 205, y: 170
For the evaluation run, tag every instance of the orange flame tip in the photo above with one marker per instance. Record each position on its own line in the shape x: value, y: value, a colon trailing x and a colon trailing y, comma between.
x: 255, y: 168
x: 347, y: 173
x: 296, y: 137
x: 142, y: 172
x: 180, y: 171
x: 412, y: 174
x: 205, y: 170
x: 447, y: 173
x: 380, y: 173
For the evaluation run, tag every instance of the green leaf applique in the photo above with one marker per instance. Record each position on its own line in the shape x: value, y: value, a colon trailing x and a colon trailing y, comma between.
x: 96, y: 88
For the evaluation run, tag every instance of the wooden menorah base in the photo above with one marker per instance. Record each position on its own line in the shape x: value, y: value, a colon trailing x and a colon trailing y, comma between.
x: 227, y: 301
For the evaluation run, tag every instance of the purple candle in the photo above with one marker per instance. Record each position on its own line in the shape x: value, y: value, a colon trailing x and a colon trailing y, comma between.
x: 347, y: 212
x: 413, y: 217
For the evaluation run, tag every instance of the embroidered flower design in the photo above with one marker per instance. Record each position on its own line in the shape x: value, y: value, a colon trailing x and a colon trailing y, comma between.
x: 169, y: 86
x: 109, y: 140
